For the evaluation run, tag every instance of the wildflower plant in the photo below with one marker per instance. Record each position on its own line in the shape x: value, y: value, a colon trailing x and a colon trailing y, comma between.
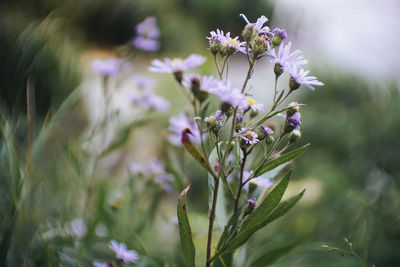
x: 225, y: 141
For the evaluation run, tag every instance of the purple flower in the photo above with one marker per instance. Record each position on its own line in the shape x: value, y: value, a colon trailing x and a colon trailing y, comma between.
x: 176, y: 64
x: 122, y: 252
x: 100, y: 264
x: 165, y: 180
x: 256, y: 107
x: 252, y: 203
x: 249, y: 137
x: 148, y: 28
x: 239, y: 118
x: 143, y: 82
x: 108, y: 67
x: 268, y: 131
x: 299, y: 77
x: 150, y: 101
x: 232, y: 96
x: 207, y: 83
x: 258, y: 25
x: 281, y: 32
x: 145, y: 44
x: 219, y: 115
x: 258, y: 181
x: 285, y: 58
x: 226, y: 41
x: 178, y: 124
x: 294, y: 120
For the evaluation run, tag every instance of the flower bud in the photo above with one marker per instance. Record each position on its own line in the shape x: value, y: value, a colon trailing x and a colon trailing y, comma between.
x: 269, y: 140
x: 293, y: 108
x: 195, y: 81
x: 278, y: 69
x: 251, y: 205
x: 249, y: 33
x: 178, y: 76
x: 279, y: 36
x: 260, y: 45
x: 215, y: 48
x: 226, y: 108
x: 213, y: 124
x: 292, y: 122
x: 264, y: 132
x: 294, y: 136
x: 293, y: 85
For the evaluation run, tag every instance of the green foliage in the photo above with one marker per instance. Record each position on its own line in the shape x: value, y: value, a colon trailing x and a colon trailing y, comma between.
x: 185, y: 231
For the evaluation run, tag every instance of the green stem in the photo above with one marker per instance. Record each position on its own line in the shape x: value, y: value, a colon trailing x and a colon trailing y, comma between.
x: 240, y: 180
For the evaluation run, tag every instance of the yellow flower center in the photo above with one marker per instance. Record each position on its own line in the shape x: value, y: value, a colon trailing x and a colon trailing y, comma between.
x: 250, y: 101
x: 233, y: 41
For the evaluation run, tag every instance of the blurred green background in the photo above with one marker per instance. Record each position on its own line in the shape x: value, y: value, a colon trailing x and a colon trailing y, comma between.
x: 351, y: 172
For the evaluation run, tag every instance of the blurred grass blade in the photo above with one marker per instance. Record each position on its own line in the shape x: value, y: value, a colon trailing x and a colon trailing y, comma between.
x: 272, y: 256
x: 272, y: 164
x: 185, y: 232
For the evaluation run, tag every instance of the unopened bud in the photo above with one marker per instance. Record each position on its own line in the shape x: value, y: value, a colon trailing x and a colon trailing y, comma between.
x: 251, y: 205
x: 294, y: 136
x: 260, y: 45
x: 264, y: 132
x: 293, y: 85
x: 178, y: 76
x: 293, y: 108
x: 278, y: 69
x: 249, y: 33
x: 226, y: 107
x: 279, y: 36
x: 269, y: 140
x: 213, y: 124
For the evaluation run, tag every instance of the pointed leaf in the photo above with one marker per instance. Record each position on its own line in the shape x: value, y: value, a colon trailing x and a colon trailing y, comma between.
x: 185, y: 233
x: 272, y: 256
x: 272, y: 164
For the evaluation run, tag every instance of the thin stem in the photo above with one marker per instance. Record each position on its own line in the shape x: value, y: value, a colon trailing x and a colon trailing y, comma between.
x: 211, y: 222
x: 240, y: 180
x: 275, y: 89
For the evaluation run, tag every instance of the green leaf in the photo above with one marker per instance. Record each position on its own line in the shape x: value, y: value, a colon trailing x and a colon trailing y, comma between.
x: 270, y: 202
x: 185, y: 232
x: 272, y: 256
x: 272, y: 164
x: 268, y: 212
x: 123, y: 136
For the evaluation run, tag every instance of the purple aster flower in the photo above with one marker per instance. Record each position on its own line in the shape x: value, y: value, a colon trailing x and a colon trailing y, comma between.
x: 285, y: 58
x: 233, y: 43
x: 215, y: 37
x: 231, y: 96
x: 258, y: 181
x: 252, y: 202
x: 143, y: 82
x: 206, y: 83
x: 299, y: 77
x: 258, y: 25
x: 123, y: 253
x: 219, y: 115
x: 145, y: 44
x: 239, y: 118
x: 294, y: 120
x: 281, y: 32
x: 108, y: 67
x: 256, y: 107
x: 148, y: 28
x: 178, y: 124
x: 176, y: 64
x: 268, y: 131
x: 249, y: 137
x: 100, y: 264
x: 150, y: 101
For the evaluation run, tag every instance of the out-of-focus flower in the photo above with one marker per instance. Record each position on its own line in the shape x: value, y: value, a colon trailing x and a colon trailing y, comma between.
x: 258, y: 25
x: 285, y: 58
x: 147, y: 35
x: 256, y: 107
x: 178, y: 124
x: 249, y: 137
x: 143, y: 82
x: 165, y: 180
x: 206, y: 83
x: 100, y: 264
x: 108, y: 67
x: 231, y: 96
x: 176, y: 64
x: 78, y: 227
x: 151, y: 101
x: 148, y: 28
x: 298, y: 77
x: 123, y: 253
x: 146, y: 44
x: 257, y: 181
x: 239, y: 118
